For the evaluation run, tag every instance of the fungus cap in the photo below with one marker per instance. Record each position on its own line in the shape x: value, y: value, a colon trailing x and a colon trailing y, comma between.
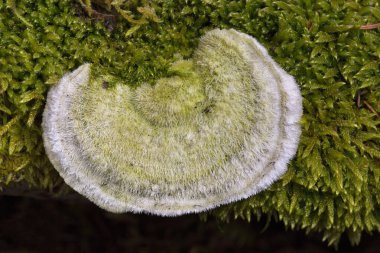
x: 221, y: 128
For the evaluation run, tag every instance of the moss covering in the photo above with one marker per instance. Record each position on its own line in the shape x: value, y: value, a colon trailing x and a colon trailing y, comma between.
x: 332, y: 185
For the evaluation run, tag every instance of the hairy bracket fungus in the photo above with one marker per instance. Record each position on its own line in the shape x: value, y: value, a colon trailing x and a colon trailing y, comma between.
x: 221, y: 128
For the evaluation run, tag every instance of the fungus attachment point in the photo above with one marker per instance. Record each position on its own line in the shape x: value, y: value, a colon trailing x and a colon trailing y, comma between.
x: 221, y: 128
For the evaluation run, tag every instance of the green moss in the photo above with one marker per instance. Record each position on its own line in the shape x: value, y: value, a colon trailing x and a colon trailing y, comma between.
x: 332, y: 186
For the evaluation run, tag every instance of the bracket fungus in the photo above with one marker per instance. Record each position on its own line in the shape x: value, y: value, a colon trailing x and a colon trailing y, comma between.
x: 221, y: 128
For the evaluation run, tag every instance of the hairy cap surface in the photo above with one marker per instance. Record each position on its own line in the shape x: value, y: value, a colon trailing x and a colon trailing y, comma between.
x: 221, y: 128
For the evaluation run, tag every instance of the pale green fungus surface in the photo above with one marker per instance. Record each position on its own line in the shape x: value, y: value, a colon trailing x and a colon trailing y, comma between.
x: 221, y: 128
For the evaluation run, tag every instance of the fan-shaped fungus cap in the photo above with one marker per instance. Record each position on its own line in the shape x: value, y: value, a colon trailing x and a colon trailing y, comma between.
x: 222, y: 128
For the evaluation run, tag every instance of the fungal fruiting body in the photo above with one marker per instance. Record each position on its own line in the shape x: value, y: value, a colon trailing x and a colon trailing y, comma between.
x: 221, y: 128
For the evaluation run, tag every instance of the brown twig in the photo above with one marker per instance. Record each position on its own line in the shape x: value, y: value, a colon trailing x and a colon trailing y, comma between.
x: 102, y: 15
x: 359, y: 96
x: 370, y: 108
x: 97, y: 14
x: 370, y: 26
x: 358, y: 100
